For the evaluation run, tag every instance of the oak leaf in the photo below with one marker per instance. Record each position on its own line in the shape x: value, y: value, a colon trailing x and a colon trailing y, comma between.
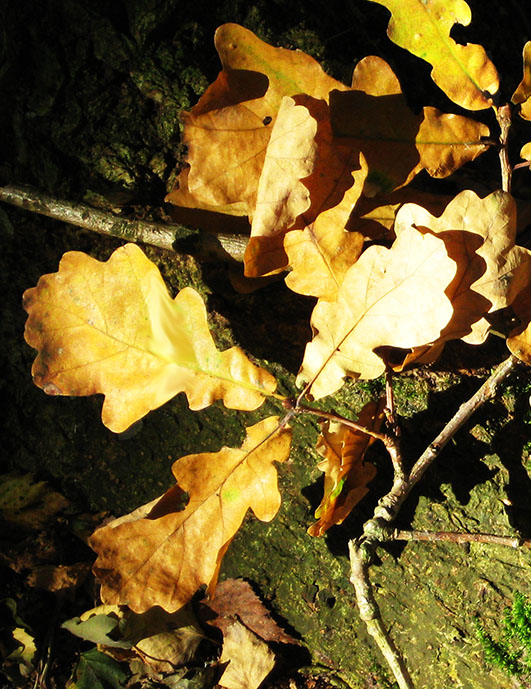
x: 519, y: 340
x: 463, y: 72
x: 389, y: 297
x: 375, y: 117
x: 346, y: 473
x: 480, y: 236
x: 523, y: 92
x: 227, y: 132
x: 112, y: 328
x: 249, y: 658
x: 165, y: 557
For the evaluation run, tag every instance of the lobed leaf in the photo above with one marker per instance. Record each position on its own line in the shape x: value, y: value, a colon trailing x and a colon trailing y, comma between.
x: 519, y: 340
x: 389, y: 297
x: 346, y: 474
x: 228, y: 131
x: 112, y: 328
x: 165, y: 557
x: 491, y: 270
x: 523, y: 92
x: 463, y: 72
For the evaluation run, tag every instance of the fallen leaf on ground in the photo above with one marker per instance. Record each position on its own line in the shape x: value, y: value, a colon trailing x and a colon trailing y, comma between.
x: 249, y: 658
x: 346, y: 473
x: 235, y: 598
x: 164, y: 558
x: 463, y: 72
x: 112, y: 328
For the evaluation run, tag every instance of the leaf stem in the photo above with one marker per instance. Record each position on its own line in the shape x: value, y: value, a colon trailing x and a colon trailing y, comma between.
x: 172, y: 237
x: 503, y: 115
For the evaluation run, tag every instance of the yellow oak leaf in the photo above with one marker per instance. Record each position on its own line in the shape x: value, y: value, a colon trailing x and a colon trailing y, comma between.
x: 346, y: 474
x: 480, y: 236
x: 463, y: 72
x: 389, y: 297
x: 523, y: 92
x: 307, y: 182
x: 112, y: 328
x: 228, y: 131
x: 519, y: 340
x: 397, y: 144
x: 165, y: 557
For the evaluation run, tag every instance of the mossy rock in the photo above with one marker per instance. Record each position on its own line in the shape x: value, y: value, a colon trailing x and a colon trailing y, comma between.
x: 94, y: 116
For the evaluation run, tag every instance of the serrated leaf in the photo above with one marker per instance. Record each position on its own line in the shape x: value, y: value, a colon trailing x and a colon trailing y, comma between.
x: 112, y: 328
x: 463, y: 72
x: 164, y: 558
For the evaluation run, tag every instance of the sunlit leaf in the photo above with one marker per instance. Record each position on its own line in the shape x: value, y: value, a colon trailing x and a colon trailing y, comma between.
x: 523, y: 92
x: 463, y: 72
x: 112, y: 328
x: 249, y: 658
x: 228, y: 131
x: 389, y: 297
x: 164, y: 558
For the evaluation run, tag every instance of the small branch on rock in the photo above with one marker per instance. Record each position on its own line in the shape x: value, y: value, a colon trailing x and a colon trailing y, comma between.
x: 377, y: 530
x: 459, y: 537
x: 176, y: 238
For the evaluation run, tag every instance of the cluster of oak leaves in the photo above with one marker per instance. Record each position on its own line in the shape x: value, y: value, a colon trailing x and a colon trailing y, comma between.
x: 322, y: 171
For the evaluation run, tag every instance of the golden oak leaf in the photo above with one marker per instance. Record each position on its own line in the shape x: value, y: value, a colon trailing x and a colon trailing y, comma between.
x: 227, y: 132
x: 249, y: 658
x: 321, y: 254
x: 346, y: 474
x: 112, y: 328
x: 396, y: 143
x: 389, y: 297
x: 165, y: 557
x: 305, y: 176
x: 480, y: 236
x: 519, y: 340
x: 523, y: 92
x: 463, y: 72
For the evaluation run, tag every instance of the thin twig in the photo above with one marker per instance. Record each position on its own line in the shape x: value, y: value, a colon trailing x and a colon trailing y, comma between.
x: 370, y: 613
x: 302, y: 409
x: 503, y: 115
x: 172, y: 237
x: 377, y: 529
x: 458, y: 537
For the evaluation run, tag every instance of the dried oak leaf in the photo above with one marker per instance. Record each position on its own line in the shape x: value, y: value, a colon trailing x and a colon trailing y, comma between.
x: 389, y: 297
x: 307, y: 190
x: 249, y: 658
x: 228, y: 131
x: 164, y: 558
x: 491, y: 270
x: 346, y: 474
x: 463, y: 72
x: 235, y: 598
x: 112, y: 328
x: 523, y: 92
x: 519, y: 340
x: 375, y: 118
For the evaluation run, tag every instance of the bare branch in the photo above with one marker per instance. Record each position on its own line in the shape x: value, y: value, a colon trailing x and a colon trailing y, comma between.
x: 175, y: 238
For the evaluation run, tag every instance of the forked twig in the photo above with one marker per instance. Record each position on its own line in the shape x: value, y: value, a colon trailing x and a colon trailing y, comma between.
x: 377, y: 530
